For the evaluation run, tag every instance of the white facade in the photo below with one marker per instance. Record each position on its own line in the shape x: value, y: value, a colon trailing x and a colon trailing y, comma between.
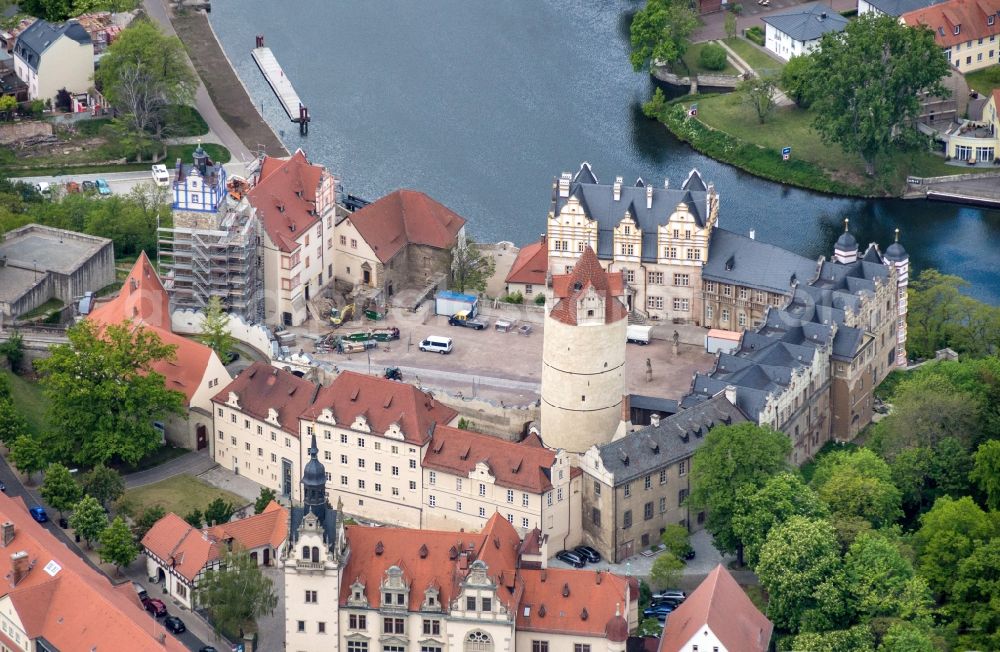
x: 64, y: 64
x: 784, y: 45
x: 312, y: 589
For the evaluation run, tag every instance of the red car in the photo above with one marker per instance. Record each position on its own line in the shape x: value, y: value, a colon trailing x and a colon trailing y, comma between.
x: 154, y: 606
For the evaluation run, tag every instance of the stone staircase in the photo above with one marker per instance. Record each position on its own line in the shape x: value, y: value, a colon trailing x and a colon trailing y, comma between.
x: 636, y: 318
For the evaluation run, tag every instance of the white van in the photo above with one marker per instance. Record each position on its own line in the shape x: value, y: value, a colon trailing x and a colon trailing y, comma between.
x: 436, y: 344
x: 160, y: 175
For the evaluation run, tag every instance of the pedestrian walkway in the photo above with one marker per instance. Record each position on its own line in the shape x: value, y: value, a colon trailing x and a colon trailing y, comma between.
x: 223, y: 478
x: 191, y: 463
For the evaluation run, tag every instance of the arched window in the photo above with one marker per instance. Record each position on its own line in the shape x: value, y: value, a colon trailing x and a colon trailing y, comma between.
x: 305, y: 553
x: 315, y: 555
x: 478, y: 641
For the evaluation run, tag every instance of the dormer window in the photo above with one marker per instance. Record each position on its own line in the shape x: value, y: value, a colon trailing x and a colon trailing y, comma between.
x: 990, y: 20
x: 958, y: 29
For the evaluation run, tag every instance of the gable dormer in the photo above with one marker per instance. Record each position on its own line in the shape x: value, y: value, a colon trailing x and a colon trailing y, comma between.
x: 395, y: 431
x: 233, y: 400
x: 357, y: 597
x: 395, y: 589
x: 482, y: 471
x: 628, y: 236
x: 361, y: 423
x: 326, y: 416
x: 432, y: 599
x: 272, y: 417
x: 590, y: 307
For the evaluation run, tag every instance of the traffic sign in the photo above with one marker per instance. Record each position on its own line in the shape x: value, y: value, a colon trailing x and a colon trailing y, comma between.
x: 786, y: 151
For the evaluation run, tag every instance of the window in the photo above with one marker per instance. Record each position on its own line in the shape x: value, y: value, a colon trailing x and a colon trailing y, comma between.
x: 647, y: 482
x: 343, y: 240
x: 458, y: 505
x: 482, y: 512
x: 311, y: 597
x: 413, y: 485
x: 354, y: 243
x: 647, y: 510
x: 539, y: 646
x: 361, y: 442
x: 744, y: 293
x: 524, y: 522
x: 670, y: 252
x: 663, y: 504
x: 989, y: 21
x: 628, y: 489
x: 343, y: 480
x: 361, y: 484
x: 510, y: 495
x: 725, y: 314
x: 525, y: 499
x: 432, y: 627
x: 246, y: 445
x: 487, y: 604
x: 710, y: 287
x: 478, y: 641
x: 559, y: 494
x: 581, y: 647
x: 682, y: 305
x: 395, y: 470
x: 510, y: 519
x: 413, y: 464
x: 395, y: 491
x: 741, y: 320
x: 343, y: 438
x: 654, y: 303
x: 432, y: 477
x: 727, y: 290
x: 663, y: 476
x: 482, y: 489
x: 343, y: 459
x: 357, y: 646
x: 694, y: 254
x: 274, y: 458
x: 682, y: 467
x: 595, y: 516
x: 432, y: 500
x: 548, y: 499
x: 708, y: 312
x: 627, y: 519
x: 378, y: 467
x: 458, y: 484
x: 528, y: 289
x: 393, y: 625
x: 682, y: 279
x: 470, y: 603
x: 628, y: 249
x: 597, y: 488
x: 654, y: 278
x: 629, y: 275
x: 300, y: 626
x: 378, y: 487
x: 677, y: 233
x: 681, y: 495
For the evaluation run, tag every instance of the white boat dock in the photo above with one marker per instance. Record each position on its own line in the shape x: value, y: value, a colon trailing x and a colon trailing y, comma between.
x: 281, y: 85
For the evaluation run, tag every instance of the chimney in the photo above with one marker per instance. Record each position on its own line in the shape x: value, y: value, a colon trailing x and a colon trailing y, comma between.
x: 7, y: 533
x: 666, y: 184
x: 731, y: 394
x: 618, y: 188
x: 753, y: 234
x: 649, y: 197
x: 822, y: 16
x: 564, y: 181
x: 19, y: 567
x: 654, y: 420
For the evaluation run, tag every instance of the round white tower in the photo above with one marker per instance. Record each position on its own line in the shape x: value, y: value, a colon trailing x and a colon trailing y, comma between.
x: 583, y: 357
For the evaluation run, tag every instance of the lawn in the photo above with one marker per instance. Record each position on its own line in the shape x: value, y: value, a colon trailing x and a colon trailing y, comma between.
x: 691, y: 60
x: 185, y: 120
x: 756, y: 58
x: 984, y: 80
x: 180, y: 494
x: 30, y: 401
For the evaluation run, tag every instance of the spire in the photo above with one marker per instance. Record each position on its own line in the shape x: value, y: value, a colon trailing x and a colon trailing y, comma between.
x: 845, y: 250
x: 313, y: 450
x: 847, y: 224
x: 897, y: 234
x: 314, y: 483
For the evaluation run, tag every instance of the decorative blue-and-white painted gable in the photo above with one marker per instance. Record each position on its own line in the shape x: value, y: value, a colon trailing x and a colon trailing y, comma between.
x: 200, y: 187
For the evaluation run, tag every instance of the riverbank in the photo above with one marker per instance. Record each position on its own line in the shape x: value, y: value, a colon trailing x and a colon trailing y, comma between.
x: 224, y: 86
x: 728, y: 132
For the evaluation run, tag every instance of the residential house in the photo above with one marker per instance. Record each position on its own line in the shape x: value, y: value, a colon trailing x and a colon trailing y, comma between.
x: 178, y: 554
x: 402, y: 240
x: 195, y: 370
x: 634, y: 486
x: 468, y: 477
x: 717, y: 617
x: 529, y: 272
x: 966, y: 30
x: 797, y: 31
x: 53, y: 600
x: 50, y: 57
x: 893, y: 7
x: 295, y: 201
x: 976, y: 141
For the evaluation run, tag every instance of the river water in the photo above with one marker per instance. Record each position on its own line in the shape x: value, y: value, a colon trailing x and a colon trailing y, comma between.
x: 481, y: 104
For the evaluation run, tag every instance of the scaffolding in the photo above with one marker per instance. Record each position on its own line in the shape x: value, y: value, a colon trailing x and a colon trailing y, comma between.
x: 214, y: 254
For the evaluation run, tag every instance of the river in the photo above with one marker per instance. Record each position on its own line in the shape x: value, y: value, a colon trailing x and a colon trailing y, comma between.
x: 481, y: 104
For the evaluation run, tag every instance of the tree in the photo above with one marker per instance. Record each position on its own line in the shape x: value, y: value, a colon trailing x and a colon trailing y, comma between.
x: 797, y: 79
x: 677, y: 540
x: 975, y: 606
x: 195, y: 518
x: 936, y: 302
x: 147, y: 520
x: 659, y: 32
x: 986, y: 472
x: 712, y: 56
x: 927, y: 409
x: 855, y: 639
x: 858, y: 483
x: 13, y: 348
x: 219, y: 511
x: 874, y: 75
x: 470, y: 269
x: 8, y: 104
x: 733, y: 459
x: 666, y: 571
x: 264, y: 499
x: 215, y: 329
x: 118, y: 546
x: 88, y: 519
x: 880, y: 581
x: 758, y: 511
x: 60, y: 489
x: 758, y: 94
x: 104, y: 484
x: 905, y: 637
x: 236, y: 593
x: 730, y: 25
x: 949, y: 533
x: 28, y: 455
x: 104, y: 394
x: 12, y: 423
x: 797, y: 558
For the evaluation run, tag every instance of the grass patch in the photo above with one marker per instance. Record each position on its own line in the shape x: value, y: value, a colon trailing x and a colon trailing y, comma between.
x: 92, y: 127
x: 693, y: 62
x: 985, y: 80
x: 217, y: 153
x: 47, y: 167
x: 180, y: 494
x: 756, y: 58
x: 43, y: 310
x: 29, y: 399
x: 185, y: 120
x: 156, y: 458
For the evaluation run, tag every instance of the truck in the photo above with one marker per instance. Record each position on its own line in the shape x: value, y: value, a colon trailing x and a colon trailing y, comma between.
x: 467, y: 319
x: 637, y: 334
x: 449, y: 303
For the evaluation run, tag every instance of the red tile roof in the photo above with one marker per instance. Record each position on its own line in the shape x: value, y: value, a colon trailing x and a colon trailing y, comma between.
x: 718, y: 604
x: 531, y: 264
x: 968, y: 15
x: 406, y: 217
x: 588, y: 273
x: 383, y: 403
x: 64, y: 600
x: 143, y: 301
x: 285, y: 198
x: 261, y: 387
x: 575, y: 601
x: 189, y: 549
x: 515, y: 465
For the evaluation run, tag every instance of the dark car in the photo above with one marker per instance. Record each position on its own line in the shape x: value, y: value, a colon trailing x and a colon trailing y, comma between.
x: 38, y: 513
x: 207, y: 648
x: 571, y: 558
x: 588, y: 554
x: 174, y: 624
x: 657, y: 610
x: 232, y: 357
x: 154, y: 606
x: 688, y: 554
x: 88, y: 186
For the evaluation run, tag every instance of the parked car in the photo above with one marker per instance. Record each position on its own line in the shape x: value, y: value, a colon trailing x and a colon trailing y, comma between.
x: 464, y: 318
x: 38, y: 513
x: 672, y: 594
x: 436, y: 344
x: 207, y: 648
x: 657, y: 611
x: 102, y: 187
x: 688, y: 554
x: 88, y: 186
x: 231, y: 357
x: 160, y: 175
x: 72, y: 187
x: 43, y: 187
x: 571, y: 558
x: 174, y: 624
x: 588, y: 554
x: 154, y: 606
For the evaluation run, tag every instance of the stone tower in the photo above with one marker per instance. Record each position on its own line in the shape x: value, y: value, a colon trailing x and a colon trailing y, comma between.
x: 896, y: 256
x: 583, y: 357
x: 311, y: 564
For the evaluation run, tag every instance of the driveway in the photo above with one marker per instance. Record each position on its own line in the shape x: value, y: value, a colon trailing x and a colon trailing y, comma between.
x: 191, y: 463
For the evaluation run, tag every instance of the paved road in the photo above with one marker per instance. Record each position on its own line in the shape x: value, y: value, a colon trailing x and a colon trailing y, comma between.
x: 121, y: 183
x: 464, y: 379
x: 191, y: 463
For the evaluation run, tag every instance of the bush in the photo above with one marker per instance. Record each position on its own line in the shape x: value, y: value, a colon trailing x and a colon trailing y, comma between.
x: 540, y: 300
x: 712, y: 57
x: 513, y: 297
x: 756, y: 34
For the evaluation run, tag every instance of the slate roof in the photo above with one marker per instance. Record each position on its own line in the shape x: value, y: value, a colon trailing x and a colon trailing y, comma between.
x: 599, y: 204
x: 738, y: 260
x: 968, y: 15
x: 807, y: 22
x: 718, y: 604
x: 517, y: 465
x: 900, y: 7
x: 406, y: 217
x: 677, y: 437
x: 39, y: 37
x: 653, y: 403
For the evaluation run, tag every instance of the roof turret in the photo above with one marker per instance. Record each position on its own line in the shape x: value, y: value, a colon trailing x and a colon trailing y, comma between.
x: 896, y: 253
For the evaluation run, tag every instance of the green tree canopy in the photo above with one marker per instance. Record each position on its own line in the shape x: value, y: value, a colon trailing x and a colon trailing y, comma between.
x: 927, y: 409
x: 874, y: 73
x: 758, y: 94
x: 219, y: 511
x: 858, y: 483
x: 975, y: 603
x: 60, y: 489
x: 797, y: 558
x: 104, y: 395
x: 855, y: 639
x: 757, y: 512
x: 986, y: 472
x: 733, y: 460
x: 195, y: 518
x: 264, y: 499
x: 906, y: 637
x: 28, y: 455
x: 666, y: 571
x: 797, y: 79
x: 147, y: 520
x: 12, y: 423
x: 949, y: 533
x: 104, y: 484
x: 236, y: 593
x: 118, y: 546
x: 89, y: 519
x: 215, y: 329
x: 471, y: 269
x: 881, y: 581
x: 677, y: 540
x: 660, y: 31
